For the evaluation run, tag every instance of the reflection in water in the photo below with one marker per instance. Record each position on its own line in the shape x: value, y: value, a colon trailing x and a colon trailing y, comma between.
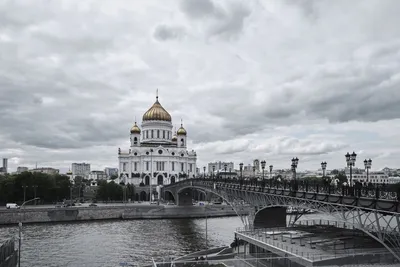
x: 109, y: 243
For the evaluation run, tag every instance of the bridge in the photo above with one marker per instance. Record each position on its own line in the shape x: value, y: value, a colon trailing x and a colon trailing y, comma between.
x: 372, y: 210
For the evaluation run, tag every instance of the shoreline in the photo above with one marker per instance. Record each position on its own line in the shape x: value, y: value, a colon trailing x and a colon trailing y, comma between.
x: 105, y: 213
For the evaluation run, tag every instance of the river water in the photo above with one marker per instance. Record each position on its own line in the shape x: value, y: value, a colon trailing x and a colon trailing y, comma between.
x: 110, y: 243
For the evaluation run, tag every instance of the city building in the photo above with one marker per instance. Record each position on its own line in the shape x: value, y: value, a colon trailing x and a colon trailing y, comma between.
x: 80, y: 169
x: 4, y: 169
x: 21, y: 169
x: 157, y: 155
x: 70, y: 176
x: 97, y: 175
x: 46, y: 170
x: 394, y: 180
x: 218, y: 167
x: 373, y: 177
x: 111, y: 172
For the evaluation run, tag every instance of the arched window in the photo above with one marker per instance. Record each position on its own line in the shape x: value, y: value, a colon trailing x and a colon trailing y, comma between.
x: 163, y: 134
x: 172, y: 179
x: 182, y: 142
x: 152, y: 134
x: 147, y: 180
x: 160, y: 180
x: 147, y: 134
x: 135, y: 141
x: 158, y: 133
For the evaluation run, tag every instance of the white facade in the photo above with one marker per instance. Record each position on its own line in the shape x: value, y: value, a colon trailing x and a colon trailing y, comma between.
x: 156, y: 149
x: 373, y: 177
x: 47, y: 170
x: 80, y: 169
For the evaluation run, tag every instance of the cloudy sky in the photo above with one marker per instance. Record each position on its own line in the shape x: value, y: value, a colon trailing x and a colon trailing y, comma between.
x: 250, y: 79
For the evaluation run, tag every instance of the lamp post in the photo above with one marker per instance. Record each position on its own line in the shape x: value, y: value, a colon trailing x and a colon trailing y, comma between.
x: 151, y: 175
x: 295, y: 162
x: 367, y: 164
x: 270, y: 171
x: 241, y: 170
x: 263, y: 167
x: 20, y: 229
x: 323, y: 166
x: 24, y: 187
x: 70, y: 193
x: 351, y: 161
x: 225, y: 170
x: 34, y: 192
x: 204, y: 168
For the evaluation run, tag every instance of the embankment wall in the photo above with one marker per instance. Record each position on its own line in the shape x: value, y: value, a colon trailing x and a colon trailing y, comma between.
x: 107, y: 213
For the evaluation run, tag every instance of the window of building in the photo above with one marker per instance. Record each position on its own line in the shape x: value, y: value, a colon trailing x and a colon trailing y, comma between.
x: 191, y: 168
x: 163, y: 134
x: 182, y: 142
x: 158, y: 133
x: 135, y: 141
x: 147, y: 134
x: 147, y: 165
x: 124, y: 167
x: 135, y: 166
x: 182, y: 167
x: 152, y: 133
x: 173, y: 166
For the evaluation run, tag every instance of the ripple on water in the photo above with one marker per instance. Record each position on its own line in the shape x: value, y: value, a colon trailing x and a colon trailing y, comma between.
x: 107, y: 243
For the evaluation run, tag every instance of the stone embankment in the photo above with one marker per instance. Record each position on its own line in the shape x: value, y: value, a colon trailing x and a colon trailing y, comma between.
x: 71, y: 214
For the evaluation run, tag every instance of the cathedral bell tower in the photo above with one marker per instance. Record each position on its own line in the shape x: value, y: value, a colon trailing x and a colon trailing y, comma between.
x: 135, y: 136
x: 181, y: 136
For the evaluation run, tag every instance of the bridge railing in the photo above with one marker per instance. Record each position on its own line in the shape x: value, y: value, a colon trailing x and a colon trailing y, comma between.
x: 357, y: 190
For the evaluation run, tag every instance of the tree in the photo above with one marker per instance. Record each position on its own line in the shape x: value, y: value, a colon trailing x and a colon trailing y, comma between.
x: 109, y: 191
x: 341, y: 177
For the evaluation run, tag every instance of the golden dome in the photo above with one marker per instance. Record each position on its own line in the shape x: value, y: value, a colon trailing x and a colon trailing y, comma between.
x: 135, y: 129
x: 181, y: 131
x: 156, y: 113
x: 174, y: 138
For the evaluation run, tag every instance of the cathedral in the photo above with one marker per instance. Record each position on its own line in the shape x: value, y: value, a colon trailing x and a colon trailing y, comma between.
x: 157, y: 155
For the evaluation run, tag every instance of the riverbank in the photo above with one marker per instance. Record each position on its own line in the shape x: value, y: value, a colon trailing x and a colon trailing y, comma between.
x: 131, y: 212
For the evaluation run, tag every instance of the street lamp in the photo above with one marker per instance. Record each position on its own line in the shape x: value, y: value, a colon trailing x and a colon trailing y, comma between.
x: 295, y: 162
x: 241, y: 170
x: 34, y: 191
x: 270, y: 171
x: 151, y: 175
x: 263, y: 167
x: 20, y: 229
x: 367, y: 164
x: 24, y: 187
x: 351, y: 161
x: 204, y: 168
x: 323, y: 166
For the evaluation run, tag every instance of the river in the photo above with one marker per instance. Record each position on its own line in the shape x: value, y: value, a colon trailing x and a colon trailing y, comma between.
x: 110, y: 243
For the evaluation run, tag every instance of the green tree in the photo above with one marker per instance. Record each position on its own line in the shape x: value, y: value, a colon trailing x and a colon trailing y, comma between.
x: 109, y: 191
x: 341, y: 177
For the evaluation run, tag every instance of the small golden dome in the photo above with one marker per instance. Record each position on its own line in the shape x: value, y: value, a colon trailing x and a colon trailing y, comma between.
x: 174, y: 138
x: 156, y: 113
x: 135, y: 129
x: 181, y: 131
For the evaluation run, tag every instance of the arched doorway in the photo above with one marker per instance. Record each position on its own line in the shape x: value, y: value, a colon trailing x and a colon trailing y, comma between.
x: 143, y: 196
x: 160, y: 180
x: 147, y: 180
x: 172, y: 179
x: 136, y: 197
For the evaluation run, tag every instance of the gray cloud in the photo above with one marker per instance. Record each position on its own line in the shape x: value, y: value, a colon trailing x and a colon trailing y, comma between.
x: 248, y: 79
x: 164, y: 32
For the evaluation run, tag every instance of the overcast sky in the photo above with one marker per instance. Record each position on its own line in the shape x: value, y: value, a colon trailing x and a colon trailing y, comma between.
x: 250, y: 79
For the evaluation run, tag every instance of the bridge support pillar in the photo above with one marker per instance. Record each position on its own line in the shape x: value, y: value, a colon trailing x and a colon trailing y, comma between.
x: 184, y: 198
x: 270, y: 217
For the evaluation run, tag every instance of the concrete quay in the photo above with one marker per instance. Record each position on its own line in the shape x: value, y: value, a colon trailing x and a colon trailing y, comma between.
x: 106, y: 212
